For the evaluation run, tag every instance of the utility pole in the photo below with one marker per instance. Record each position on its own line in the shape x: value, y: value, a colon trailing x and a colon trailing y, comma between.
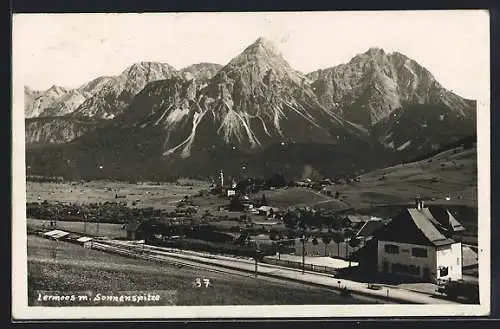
x: 56, y: 217
x: 84, y: 222
x: 461, y: 253
x: 258, y: 253
x: 98, y: 218
x: 255, y: 266
x: 303, y: 253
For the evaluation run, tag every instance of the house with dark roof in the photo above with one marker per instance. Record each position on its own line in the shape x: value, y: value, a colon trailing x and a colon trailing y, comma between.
x: 417, y: 243
x: 369, y: 228
x: 134, y: 230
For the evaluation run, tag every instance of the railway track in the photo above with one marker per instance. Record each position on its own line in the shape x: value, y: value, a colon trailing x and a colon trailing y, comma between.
x: 158, y: 255
x: 132, y: 252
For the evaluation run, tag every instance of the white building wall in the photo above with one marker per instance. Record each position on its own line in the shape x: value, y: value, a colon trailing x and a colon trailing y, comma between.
x: 404, y: 257
x: 451, y: 257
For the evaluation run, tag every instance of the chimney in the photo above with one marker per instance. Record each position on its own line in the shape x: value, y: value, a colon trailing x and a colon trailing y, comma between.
x: 419, y: 203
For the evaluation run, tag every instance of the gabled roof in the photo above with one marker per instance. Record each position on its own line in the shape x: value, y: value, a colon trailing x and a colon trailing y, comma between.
x: 445, y: 218
x: 427, y: 226
x: 369, y: 228
x: 84, y: 239
x: 455, y: 224
x: 56, y: 234
x: 427, y: 213
x: 415, y: 227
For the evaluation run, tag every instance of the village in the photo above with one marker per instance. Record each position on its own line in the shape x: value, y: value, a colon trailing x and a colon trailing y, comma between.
x: 418, y: 247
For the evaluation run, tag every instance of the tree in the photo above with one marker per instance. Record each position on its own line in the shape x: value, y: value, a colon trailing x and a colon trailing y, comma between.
x: 236, y: 204
x: 291, y: 219
x: 349, y: 233
x: 264, y: 200
x: 326, y: 238
x: 354, y: 242
x: 338, y: 237
x: 291, y: 234
x: 243, y: 238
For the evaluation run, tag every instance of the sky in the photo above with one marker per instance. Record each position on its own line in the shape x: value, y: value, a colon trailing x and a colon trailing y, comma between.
x: 72, y: 49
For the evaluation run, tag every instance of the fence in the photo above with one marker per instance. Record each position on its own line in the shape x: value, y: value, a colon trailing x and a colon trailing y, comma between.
x: 341, y: 250
x: 298, y: 265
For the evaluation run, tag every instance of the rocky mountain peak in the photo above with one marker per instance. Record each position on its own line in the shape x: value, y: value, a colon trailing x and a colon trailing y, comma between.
x: 262, y: 44
x: 201, y: 71
x: 262, y: 54
x: 374, y: 84
x: 375, y: 51
x: 57, y: 90
x: 116, y: 93
x: 147, y: 66
x: 28, y: 89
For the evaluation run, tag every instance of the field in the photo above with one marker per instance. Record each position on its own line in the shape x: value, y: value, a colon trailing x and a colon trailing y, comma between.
x: 451, y: 174
x: 105, y: 229
x: 61, y: 266
x: 298, y: 196
x: 163, y: 196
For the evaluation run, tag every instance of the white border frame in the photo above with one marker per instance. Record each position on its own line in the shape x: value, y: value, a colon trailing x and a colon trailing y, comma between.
x: 20, y: 310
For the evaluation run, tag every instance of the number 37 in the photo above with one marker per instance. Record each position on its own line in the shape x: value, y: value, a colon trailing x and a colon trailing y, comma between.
x: 201, y: 282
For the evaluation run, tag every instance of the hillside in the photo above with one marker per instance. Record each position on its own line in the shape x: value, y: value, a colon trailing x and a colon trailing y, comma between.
x: 449, y: 174
x: 54, y: 130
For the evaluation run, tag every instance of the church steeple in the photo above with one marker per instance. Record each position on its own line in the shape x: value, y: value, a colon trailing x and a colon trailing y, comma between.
x: 221, y: 178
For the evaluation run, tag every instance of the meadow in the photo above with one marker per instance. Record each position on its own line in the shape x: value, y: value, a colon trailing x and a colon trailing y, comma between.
x: 61, y: 266
x: 105, y: 229
x: 447, y: 178
x: 163, y: 196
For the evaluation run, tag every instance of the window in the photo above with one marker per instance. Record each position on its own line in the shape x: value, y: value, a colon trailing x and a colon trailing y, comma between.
x: 419, y: 252
x: 406, y: 269
x: 443, y: 271
x: 391, y: 249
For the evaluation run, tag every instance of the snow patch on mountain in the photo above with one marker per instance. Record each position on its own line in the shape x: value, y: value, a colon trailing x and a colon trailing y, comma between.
x: 188, y: 142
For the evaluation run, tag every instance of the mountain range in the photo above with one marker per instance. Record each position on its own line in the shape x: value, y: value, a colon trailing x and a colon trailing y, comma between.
x: 255, y: 115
